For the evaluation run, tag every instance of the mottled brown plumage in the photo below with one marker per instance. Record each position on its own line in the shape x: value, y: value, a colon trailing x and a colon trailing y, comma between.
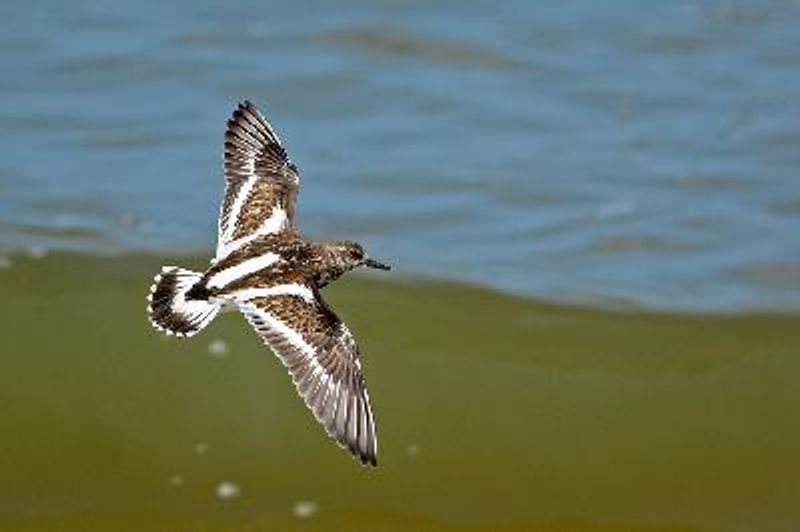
x: 266, y: 270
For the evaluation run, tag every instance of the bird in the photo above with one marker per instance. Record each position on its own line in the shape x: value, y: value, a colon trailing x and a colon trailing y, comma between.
x: 266, y: 270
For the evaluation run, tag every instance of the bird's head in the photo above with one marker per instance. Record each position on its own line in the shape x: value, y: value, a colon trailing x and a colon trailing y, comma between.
x: 351, y: 255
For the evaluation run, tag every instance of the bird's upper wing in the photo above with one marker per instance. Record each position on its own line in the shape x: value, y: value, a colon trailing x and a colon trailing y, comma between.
x: 322, y: 357
x: 261, y: 182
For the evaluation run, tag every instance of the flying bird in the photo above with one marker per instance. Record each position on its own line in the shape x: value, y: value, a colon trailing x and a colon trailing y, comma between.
x: 265, y: 269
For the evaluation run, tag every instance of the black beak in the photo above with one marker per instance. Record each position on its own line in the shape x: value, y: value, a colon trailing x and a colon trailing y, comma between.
x: 372, y: 263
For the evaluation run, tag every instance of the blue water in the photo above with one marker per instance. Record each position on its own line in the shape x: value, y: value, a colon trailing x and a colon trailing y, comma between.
x: 643, y: 153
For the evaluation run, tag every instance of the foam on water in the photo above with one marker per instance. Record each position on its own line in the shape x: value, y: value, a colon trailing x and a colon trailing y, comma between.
x: 305, y: 509
x: 218, y: 349
x: 227, y: 490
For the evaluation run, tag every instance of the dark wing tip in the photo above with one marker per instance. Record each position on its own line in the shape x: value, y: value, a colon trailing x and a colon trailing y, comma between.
x: 245, y: 108
x: 248, y: 123
x: 344, y: 410
x: 360, y: 436
x: 368, y: 459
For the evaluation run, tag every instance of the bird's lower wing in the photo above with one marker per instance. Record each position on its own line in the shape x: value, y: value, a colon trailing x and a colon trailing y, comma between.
x: 322, y: 357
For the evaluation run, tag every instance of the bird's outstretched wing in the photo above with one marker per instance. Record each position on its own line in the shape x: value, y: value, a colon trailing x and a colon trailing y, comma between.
x: 322, y: 357
x: 261, y: 182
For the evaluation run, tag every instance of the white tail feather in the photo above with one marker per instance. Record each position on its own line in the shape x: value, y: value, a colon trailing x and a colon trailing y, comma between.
x: 168, y: 309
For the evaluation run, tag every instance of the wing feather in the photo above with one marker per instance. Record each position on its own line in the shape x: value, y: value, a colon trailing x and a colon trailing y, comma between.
x: 261, y: 182
x: 322, y: 357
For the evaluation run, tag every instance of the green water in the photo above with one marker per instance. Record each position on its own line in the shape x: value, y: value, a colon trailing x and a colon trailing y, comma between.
x: 493, y: 413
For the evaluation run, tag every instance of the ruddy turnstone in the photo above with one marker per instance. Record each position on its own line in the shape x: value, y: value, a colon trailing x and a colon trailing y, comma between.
x: 265, y: 269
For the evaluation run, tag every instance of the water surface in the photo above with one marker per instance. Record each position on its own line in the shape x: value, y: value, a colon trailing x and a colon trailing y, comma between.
x: 609, y: 151
x: 547, y: 417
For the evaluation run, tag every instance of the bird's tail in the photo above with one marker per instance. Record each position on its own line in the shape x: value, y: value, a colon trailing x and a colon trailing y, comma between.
x: 169, y: 309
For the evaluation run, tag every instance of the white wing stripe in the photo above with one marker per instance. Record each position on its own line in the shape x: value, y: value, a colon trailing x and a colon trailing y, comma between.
x: 241, y: 198
x: 244, y: 268
x: 273, y: 224
x: 290, y: 289
x: 278, y: 327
